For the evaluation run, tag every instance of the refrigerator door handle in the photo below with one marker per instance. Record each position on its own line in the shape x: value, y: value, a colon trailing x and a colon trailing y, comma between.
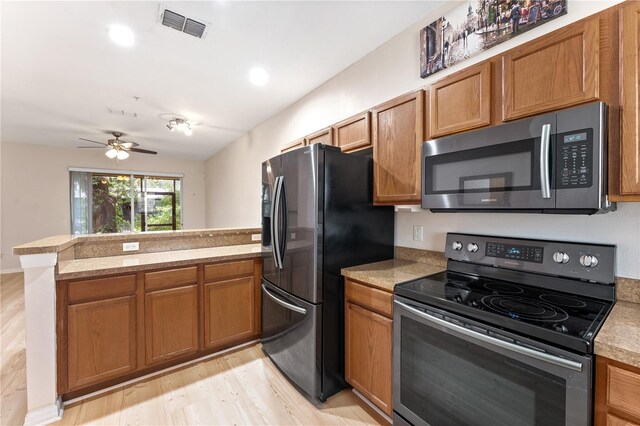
x: 285, y: 226
x: 276, y: 222
x: 283, y: 303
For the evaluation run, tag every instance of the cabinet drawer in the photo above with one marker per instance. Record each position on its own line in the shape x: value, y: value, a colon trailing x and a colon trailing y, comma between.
x: 226, y: 270
x: 101, y: 288
x: 171, y: 278
x: 371, y: 298
x: 623, y: 390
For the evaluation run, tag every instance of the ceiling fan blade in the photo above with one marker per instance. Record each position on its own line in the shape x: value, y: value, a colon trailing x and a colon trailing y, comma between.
x: 128, y: 145
x: 89, y: 140
x: 142, y: 151
x: 92, y: 147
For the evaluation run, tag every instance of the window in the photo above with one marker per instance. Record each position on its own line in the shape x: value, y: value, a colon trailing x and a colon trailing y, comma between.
x: 110, y: 201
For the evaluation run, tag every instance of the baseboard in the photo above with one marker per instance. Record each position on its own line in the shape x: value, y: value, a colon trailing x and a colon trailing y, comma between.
x: 10, y: 271
x: 160, y: 372
x: 372, y: 405
x: 45, y: 415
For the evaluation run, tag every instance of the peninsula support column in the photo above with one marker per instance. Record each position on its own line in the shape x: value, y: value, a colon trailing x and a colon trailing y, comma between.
x: 43, y: 404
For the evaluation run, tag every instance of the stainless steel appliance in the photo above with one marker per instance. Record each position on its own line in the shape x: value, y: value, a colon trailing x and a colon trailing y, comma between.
x: 317, y: 217
x: 551, y: 163
x: 504, y: 336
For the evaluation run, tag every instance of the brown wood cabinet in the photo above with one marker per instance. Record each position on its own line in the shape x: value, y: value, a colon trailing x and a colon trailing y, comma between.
x: 397, y: 133
x: 293, y: 145
x: 555, y: 71
x: 617, y: 393
x: 625, y: 161
x: 354, y: 133
x: 324, y: 136
x: 171, y: 323
x: 115, y: 328
x: 369, y: 342
x: 102, y: 340
x: 461, y: 101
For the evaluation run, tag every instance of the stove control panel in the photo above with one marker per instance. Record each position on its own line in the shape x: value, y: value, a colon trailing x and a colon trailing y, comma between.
x: 592, y: 262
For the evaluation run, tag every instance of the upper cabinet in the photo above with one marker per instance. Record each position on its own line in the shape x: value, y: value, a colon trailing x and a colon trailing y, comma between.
x: 555, y: 71
x: 398, y: 132
x: 353, y: 133
x: 293, y: 145
x: 461, y: 101
x: 324, y: 136
x: 625, y: 160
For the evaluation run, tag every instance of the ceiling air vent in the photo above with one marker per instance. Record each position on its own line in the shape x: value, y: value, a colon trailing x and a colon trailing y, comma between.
x: 179, y: 22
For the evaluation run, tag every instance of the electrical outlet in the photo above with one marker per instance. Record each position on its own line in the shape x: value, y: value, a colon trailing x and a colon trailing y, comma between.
x: 417, y: 232
x: 131, y: 246
x: 256, y: 237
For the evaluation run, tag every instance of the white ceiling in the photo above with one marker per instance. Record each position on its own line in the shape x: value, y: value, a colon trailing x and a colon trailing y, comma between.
x: 60, y: 72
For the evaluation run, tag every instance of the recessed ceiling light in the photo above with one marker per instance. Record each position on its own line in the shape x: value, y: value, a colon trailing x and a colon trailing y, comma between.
x: 258, y: 76
x: 121, y: 35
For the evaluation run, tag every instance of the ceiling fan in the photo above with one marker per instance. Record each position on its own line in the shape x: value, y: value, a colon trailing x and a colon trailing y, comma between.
x: 117, y: 148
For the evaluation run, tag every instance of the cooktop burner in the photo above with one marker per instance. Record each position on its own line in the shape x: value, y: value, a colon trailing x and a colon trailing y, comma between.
x: 536, y: 312
x: 523, y: 308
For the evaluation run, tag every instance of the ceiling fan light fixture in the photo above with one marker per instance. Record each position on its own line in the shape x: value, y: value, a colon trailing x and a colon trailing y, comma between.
x: 180, y: 125
x: 112, y: 153
x: 122, y: 155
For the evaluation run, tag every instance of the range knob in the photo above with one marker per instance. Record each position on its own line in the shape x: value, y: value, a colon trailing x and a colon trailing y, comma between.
x: 560, y: 257
x: 588, y: 261
x: 472, y: 247
x: 456, y: 245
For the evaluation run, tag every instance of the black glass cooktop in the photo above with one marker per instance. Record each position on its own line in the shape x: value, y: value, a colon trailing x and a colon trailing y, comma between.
x: 547, y: 315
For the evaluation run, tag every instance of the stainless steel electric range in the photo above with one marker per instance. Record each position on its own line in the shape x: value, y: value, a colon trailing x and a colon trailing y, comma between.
x: 504, y: 336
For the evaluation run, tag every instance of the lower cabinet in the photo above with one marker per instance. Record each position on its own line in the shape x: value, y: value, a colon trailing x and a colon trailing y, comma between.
x: 617, y: 396
x: 171, y: 323
x: 116, y: 328
x: 369, y: 344
x: 229, y: 311
x: 102, y: 340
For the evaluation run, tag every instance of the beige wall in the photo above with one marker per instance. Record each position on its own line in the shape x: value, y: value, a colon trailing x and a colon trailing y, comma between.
x: 233, y: 175
x: 34, y: 199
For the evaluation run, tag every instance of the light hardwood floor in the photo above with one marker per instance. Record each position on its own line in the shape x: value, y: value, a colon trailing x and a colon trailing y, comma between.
x: 242, y: 387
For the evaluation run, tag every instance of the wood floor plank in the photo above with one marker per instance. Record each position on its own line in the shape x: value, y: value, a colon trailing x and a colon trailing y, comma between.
x: 242, y: 388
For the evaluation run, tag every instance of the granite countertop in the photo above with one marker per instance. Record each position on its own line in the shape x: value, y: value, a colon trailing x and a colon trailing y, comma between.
x: 59, y: 243
x: 386, y: 274
x: 91, y: 267
x: 619, y: 337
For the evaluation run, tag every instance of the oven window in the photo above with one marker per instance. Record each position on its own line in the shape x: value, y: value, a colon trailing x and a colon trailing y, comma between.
x: 448, y: 381
x: 503, y: 167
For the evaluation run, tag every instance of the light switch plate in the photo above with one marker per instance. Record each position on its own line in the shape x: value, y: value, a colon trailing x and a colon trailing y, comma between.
x: 417, y: 232
x: 256, y: 237
x: 131, y: 246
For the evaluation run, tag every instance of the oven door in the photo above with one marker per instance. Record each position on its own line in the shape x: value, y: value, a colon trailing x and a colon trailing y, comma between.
x: 507, y: 167
x: 452, y: 371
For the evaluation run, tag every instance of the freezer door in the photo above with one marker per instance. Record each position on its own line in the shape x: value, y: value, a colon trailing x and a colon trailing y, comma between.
x: 300, y: 242
x: 291, y: 333
x: 271, y: 170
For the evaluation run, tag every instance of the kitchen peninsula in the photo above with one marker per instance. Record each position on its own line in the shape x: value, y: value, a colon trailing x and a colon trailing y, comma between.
x: 97, y: 316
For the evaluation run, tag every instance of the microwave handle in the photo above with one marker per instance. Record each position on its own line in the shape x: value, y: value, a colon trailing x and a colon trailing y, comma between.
x: 545, y: 147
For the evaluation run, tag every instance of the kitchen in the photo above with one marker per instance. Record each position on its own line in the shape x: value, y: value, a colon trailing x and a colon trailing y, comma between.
x: 361, y: 110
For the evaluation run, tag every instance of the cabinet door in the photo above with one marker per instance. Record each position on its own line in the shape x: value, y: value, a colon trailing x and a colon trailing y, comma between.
x: 461, y: 101
x: 368, y: 352
x: 171, y: 323
x: 293, y: 145
x: 555, y: 71
x: 353, y: 133
x: 229, y: 311
x: 630, y: 137
x: 398, y: 132
x: 102, y: 340
x: 324, y: 136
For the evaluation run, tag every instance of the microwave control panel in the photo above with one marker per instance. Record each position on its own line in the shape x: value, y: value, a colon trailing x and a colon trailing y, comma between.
x: 575, y: 159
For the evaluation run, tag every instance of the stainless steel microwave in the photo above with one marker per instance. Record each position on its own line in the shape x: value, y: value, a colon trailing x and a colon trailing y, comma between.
x: 551, y: 163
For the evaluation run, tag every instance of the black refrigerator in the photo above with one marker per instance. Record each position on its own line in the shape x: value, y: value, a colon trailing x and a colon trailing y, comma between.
x: 317, y: 217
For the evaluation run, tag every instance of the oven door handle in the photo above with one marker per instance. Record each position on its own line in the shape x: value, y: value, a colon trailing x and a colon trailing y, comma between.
x: 545, y: 147
x: 542, y: 356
